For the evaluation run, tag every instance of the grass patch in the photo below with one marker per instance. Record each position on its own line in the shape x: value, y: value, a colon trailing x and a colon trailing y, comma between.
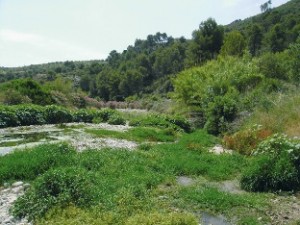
x: 245, y: 207
x: 190, y: 156
x: 27, y: 165
x: 138, y: 134
x: 121, y: 187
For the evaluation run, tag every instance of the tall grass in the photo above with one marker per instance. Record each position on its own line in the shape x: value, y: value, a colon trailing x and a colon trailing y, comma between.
x: 281, y: 115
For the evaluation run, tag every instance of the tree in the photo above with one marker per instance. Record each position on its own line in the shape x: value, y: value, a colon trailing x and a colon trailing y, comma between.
x: 206, y: 42
x: 234, y: 44
x: 266, y: 6
x: 255, y: 39
x: 277, y: 38
x: 85, y: 83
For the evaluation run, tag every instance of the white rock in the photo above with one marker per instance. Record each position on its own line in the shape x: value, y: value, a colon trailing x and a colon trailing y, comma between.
x: 17, y: 184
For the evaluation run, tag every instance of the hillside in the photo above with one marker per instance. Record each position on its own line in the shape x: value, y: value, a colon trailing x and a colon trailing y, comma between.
x: 147, y: 65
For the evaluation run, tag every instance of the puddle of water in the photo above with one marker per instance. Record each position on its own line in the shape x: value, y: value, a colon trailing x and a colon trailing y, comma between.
x: 15, y: 139
x: 185, y: 181
x: 27, y: 137
x: 209, y: 219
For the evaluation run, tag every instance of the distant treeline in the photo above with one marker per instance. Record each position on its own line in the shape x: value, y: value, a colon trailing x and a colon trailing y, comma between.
x: 148, y: 66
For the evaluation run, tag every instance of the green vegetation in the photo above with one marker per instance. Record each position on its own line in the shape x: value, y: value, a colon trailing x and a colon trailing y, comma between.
x: 138, y: 134
x: 239, y: 82
x: 118, y: 187
x: 276, y: 168
x: 23, y: 115
x: 147, y: 66
x: 162, y: 121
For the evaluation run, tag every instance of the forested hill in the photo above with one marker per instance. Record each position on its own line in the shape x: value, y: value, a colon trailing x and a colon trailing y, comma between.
x: 147, y: 65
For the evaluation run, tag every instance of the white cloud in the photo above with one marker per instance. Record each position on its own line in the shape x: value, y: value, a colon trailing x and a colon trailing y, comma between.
x: 13, y: 36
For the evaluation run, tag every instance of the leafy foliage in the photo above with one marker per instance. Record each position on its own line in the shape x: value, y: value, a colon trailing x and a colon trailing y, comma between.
x: 55, y: 114
x: 217, y: 90
x: 276, y: 168
x: 60, y: 186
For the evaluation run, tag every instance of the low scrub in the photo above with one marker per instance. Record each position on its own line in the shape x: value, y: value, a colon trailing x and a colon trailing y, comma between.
x: 61, y: 186
x: 24, y: 115
x: 30, y: 115
x: 56, y: 114
x: 245, y: 141
x: 162, y: 121
x: 84, y: 116
x: 279, y: 114
x: 276, y: 166
x: 116, y: 119
x: 8, y: 117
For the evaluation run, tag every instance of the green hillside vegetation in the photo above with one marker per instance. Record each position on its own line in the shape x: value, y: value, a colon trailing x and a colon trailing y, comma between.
x: 147, y: 66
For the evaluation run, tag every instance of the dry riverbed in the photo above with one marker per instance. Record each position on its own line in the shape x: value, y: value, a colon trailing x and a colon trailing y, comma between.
x: 74, y: 133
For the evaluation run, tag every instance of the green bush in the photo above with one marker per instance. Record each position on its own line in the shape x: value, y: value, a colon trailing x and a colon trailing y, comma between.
x: 276, y: 166
x: 246, y: 140
x: 61, y: 186
x: 273, y: 65
x: 161, y: 121
x: 8, y: 117
x: 220, y: 113
x: 30, y: 88
x: 217, y: 89
x: 83, y: 115
x: 55, y: 114
x: 103, y: 115
x: 116, y: 119
x: 30, y: 115
x: 181, y: 122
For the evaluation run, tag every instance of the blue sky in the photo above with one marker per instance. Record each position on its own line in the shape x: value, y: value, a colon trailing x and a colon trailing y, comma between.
x: 41, y: 31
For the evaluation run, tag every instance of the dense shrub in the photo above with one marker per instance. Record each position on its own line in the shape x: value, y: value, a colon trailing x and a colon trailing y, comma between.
x: 273, y: 65
x: 55, y: 114
x: 220, y: 113
x: 83, y: 115
x: 33, y: 114
x: 8, y: 117
x: 103, y: 115
x: 216, y: 90
x: 245, y: 141
x: 162, y: 121
x: 180, y: 122
x: 276, y: 166
x: 13, y: 97
x: 116, y: 119
x: 30, y: 115
x: 78, y: 100
x: 59, y: 98
x: 61, y: 186
x: 29, y: 88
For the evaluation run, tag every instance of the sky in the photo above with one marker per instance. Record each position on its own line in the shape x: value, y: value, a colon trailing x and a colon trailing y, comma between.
x: 41, y: 31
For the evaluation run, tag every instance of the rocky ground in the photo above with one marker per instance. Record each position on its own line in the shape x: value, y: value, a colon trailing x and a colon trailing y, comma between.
x: 74, y: 133
x: 8, y: 195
